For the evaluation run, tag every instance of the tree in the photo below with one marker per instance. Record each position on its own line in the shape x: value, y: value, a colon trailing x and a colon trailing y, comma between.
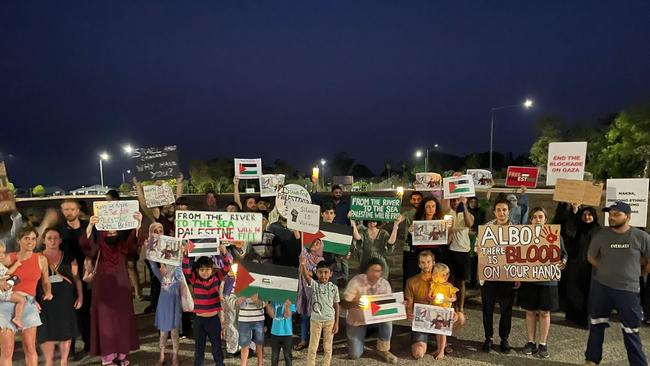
x: 342, y: 164
x: 473, y: 161
x: 38, y: 191
x: 361, y: 171
x: 548, y: 131
x: 125, y: 189
x: 283, y: 167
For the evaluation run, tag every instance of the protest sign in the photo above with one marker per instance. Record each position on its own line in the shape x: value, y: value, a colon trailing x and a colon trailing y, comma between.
x: 336, y: 238
x: 383, y: 308
x: 164, y: 249
x: 155, y: 163
x: 461, y: 186
x: 578, y: 191
x: 375, y: 208
x: 565, y: 160
x: 482, y: 177
x: 270, y: 183
x: 427, y: 182
x: 303, y: 217
x: 270, y: 282
x: 522, y: 176
x: 527, y: 253
x: 116, y: 215
x: 158, y: 195
x: 246, y: 226
x: 290, y: 192
x: 431, y: 232
x: 7, y: 199
x: 634, y: 192
x: 432, y: 319
x: 248, y: 168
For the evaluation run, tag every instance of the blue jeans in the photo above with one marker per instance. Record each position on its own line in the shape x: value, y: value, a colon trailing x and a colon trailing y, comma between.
x: 357, y: 334
x: 602, y: 300
x: 304, y: 328
x: 249, y: 331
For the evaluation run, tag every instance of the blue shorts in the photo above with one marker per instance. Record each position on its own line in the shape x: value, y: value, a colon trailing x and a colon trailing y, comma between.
x: 31, y: 317
x: 249, y: 331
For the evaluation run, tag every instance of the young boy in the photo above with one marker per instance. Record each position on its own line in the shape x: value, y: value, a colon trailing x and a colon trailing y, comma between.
x: 251, y: 327
x: 9, y: 295
x: 325, y: 311
x: 206, y: 280
x: 281, y: 330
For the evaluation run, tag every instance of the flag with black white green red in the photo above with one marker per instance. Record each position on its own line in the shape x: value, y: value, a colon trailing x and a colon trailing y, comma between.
x: 202, y: 247
x: 460, y: 186
x: 383, y: 308
x: 271, y: 282
x: 248, y: 168
x: 336, y: 238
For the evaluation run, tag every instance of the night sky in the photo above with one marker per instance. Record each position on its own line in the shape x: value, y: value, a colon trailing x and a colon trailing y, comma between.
x: 302, y: 80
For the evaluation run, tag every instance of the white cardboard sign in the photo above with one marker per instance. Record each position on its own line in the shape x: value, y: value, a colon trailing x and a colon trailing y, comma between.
x: 303, y: 217
x: 565, y: 160
x: 634, y: 192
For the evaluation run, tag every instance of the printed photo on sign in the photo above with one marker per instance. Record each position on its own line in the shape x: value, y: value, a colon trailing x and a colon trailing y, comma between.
x: 270, y: 183
x: 155, y: 163
x: 158, y: 195
x: 336, y: 238
x: 427, y: 182
x: 522, y: 176
x: 565, y: 160
x: 482, y: 177
x: 578, y: 191
x: 226, y: 226
x: 383, y: 308
x: 290, y: 192
x: 375, y: 208
x: 526, y: 253
x: 432, y: 232
x: 164, y: 249
x: 432, y: 319
x: 634, y: 192
x: 248, y: 168
x: 116, y: 215
x: 462, y: 186
x: 303, y: 217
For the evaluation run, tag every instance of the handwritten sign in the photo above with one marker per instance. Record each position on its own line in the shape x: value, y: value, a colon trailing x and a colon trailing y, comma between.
x: 164, y: 249
x: 116, y: 215
x: 634, y: 192
x: 270, y: 183
x: 528, y: 253
x: 522, y: 176
x: 375, y: 208
x: 248, y: 168
x: 383, y: 308
x: 431, y: 232
x: 565, y: 160
x: 229, y: 226
x: 578, y: 191
x: 303, y: 217
x: 461, y: 186
x: 290, y: 192
x: 158, y: 195
x: 155, y: 163
x: 427, y: 182
x: 482, y: 177
x: 432, y: 319
x: 7, y: 199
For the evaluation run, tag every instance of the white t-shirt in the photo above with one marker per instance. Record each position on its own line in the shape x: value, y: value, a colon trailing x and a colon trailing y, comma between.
x: 460, y: 235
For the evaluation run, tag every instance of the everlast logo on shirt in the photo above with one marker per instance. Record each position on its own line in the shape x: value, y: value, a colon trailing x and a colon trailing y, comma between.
x: 619, y: 246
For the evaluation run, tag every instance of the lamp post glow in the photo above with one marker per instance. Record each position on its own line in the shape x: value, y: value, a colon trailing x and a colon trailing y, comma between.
x: 128, y: 149
x: 102, y: 156
x: 322, y: 163
x: 527, y: 104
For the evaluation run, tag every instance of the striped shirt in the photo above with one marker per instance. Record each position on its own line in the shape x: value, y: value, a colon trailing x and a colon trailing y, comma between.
x: 250, y: 311
x: 206, y: 291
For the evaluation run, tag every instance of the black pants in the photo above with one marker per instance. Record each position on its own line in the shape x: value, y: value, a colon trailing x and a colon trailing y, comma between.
x: 207, y: 328
x: 284, y: 342
x: 83, y: 318
x: 155, y: 286
x: 503, y: 293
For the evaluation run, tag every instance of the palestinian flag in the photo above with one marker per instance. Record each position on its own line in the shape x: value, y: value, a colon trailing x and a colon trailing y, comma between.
x: 200, y: 249
x: 337, y: 238
x: 248, y: 169
x: 459, y: 186
x: 383, y: 308
x: 270, y: 282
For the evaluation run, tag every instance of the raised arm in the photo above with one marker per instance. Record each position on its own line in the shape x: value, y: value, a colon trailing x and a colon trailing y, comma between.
x: 305, y: 272
x: 179, y: 185
x: 355, y: 231
x: 393, y: 234
x: 235, y: 192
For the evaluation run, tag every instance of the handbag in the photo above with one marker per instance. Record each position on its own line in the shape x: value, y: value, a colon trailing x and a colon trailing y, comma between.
x: 90, y: 268
x: 187, y: 302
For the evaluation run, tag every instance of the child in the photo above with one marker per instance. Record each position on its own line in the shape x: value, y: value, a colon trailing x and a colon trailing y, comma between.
x: 442, y: 294
x: 281, y: 330
x: 168, y: 311
x: 9, y: 295
x: 251, y: 327
x: 312, y: 255
x: 206, y: 281
x: 325, y: 311
x: 229, y: 303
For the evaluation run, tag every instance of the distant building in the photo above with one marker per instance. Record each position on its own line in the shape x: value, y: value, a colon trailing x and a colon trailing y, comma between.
x: 54, y: 191
x: 94, y: 189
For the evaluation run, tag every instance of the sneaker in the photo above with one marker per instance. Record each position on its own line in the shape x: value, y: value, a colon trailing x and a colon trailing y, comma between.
x: 529, y: 349
x: 543, y: 351
x: 505, y: 346
x: 487, y: 345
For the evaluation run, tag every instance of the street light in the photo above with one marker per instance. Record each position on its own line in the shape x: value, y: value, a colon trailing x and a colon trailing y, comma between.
x: 322, y: 170
x: 527, y: 104
x: 418, y: 154
x: 128, y: 149
x: 128, y: 171
x: 102, y: 156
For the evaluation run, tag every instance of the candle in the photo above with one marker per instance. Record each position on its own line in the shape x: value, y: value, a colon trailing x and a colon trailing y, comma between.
x: 364, y: 303
x: 439, y: 298
x: 449, y: 219
x: 314, y: 173
x: 400, y: 191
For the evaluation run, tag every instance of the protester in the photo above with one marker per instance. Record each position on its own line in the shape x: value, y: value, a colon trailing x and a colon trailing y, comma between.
x: 341, y: 205
x: 372, y: 242
x: 251, y: 327
x: 460, y: 246
x: 443, y: 294
x: 281, y: 330
x: 9, y: 295
x: 168, y: 311
x: 10, y: 225
x: 502, y: 292
x: 539, y: 299
x: 408, y: 213
x: 578, y: 269
x: 338, y: 263
x: 288, y: 247
x: 311, y: 255
x: 616, y: 253
x: 479, y: 217
x: 233, y: 207
x: 111, y: 295
x: 417, y: 292
x: 372, y: 282
x: 211, y: 201
x: 250, y: 204
x: 263, y: 205
x: 32, y: 269
x: 58, y: 315
x: 325, y: 311
x: 518, y: 208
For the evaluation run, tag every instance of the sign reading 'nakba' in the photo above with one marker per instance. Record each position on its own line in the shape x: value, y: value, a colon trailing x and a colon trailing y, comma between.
x: 155, y: 163
x: 634, y: 192
x: 519, y: 253
x: 246, y: 226
x: 375, y: 208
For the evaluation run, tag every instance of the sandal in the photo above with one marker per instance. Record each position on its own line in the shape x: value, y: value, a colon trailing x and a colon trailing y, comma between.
x: 300, y: 346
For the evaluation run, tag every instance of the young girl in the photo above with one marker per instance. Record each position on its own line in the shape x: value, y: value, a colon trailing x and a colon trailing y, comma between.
x: 443, y: 294
x: 168, y: 311
x: 312, y: 255
x: 5, y: 273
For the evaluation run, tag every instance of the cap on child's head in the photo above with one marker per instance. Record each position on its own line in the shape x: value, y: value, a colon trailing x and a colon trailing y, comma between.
x: 322, y: 264
x: 440, y: 269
